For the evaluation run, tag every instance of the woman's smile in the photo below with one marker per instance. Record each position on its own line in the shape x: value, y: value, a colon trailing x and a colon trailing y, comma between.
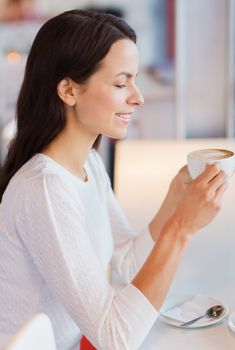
x: 124, y: 117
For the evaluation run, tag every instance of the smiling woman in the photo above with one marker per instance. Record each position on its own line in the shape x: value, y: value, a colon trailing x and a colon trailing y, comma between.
x: 61, y: 227
x: 105, y: 103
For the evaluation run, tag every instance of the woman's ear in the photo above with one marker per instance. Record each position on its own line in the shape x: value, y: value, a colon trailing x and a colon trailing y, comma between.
x: 66, y: 92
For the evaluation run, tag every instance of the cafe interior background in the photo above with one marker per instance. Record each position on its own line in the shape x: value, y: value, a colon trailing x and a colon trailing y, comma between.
x: 186, y: 69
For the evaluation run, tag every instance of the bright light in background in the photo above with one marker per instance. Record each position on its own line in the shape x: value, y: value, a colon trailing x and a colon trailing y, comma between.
x: 13, y: 56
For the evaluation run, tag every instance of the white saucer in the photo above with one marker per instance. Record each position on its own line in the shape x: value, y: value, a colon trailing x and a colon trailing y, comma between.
x: 204, y: 322
x: 231, y: 321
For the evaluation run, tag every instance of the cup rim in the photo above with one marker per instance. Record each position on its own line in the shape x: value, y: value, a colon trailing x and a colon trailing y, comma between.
x: 191, y: 154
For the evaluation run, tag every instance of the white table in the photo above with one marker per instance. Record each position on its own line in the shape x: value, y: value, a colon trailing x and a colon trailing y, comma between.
x: 143, y: 170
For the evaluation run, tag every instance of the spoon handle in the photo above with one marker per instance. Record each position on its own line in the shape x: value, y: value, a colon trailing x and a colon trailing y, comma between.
x: 185, y: 324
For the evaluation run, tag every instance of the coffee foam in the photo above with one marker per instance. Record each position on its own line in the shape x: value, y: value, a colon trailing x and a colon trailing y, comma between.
x: 211, y: 154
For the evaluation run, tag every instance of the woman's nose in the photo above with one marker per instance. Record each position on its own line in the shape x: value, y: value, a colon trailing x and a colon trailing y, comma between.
x: 136, y: 98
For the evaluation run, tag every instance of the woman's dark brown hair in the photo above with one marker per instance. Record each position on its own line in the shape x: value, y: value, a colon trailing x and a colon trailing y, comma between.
x: 72, y: 45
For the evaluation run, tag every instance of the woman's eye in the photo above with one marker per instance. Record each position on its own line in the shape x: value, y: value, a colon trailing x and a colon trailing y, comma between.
x: 120, y: 86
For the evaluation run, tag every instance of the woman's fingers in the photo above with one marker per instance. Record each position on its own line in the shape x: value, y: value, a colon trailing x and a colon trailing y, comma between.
x: 209, y: 173
x: 218, y: 181
x: 220, y: 190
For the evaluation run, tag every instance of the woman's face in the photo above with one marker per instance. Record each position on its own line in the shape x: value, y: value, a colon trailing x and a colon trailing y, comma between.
x: 108, y: 100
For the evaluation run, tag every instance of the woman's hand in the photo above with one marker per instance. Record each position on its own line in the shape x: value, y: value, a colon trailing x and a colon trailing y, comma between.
x: 192, y: 203
x: 178, y: 187
x: 201, y: 200
x: 176, y: 191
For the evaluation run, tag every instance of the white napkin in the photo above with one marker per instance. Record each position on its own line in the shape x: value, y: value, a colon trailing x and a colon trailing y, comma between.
x: 190, y: 309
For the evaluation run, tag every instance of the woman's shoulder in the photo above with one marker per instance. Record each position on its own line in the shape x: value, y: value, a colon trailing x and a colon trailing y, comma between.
x: 37, y: 173
x: 38, y: 166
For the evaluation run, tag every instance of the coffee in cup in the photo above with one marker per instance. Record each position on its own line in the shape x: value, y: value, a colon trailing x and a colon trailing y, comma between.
x: 198, y: 159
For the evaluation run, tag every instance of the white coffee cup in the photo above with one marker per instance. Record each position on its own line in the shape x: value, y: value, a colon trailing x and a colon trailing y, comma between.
x: 198, y: 159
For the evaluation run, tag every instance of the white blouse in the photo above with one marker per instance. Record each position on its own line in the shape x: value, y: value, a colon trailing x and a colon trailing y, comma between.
x: 58, y: 236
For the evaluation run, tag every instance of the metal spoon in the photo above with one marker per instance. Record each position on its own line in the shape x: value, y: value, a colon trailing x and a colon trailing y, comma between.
x: 213, y: 311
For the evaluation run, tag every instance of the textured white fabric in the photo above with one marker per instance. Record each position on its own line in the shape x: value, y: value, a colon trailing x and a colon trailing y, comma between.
x: 58, y: 235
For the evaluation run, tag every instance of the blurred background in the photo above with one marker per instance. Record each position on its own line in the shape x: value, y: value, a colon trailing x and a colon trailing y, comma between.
x: 186, y: 70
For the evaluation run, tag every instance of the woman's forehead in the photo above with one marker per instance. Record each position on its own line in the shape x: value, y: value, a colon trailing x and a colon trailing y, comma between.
x: 121, y: 60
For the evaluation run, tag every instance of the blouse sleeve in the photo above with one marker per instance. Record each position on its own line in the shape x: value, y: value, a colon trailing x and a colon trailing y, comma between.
x: 51, y: 225
x: 130, y: 249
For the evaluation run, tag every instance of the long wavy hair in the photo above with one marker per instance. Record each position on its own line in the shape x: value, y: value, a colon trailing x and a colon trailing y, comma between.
x: 72, y: 45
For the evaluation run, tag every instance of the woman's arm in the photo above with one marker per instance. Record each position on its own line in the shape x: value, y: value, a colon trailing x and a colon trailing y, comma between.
x: 199, y: 205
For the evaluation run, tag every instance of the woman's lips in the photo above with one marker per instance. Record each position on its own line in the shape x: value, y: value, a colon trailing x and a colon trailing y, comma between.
x: 126, y: 117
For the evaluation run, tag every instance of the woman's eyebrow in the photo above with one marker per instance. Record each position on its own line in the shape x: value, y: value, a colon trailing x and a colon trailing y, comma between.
x: 127, y: 74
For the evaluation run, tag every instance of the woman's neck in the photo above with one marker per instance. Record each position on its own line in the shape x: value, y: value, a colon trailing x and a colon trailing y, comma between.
x: 70, y: 149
